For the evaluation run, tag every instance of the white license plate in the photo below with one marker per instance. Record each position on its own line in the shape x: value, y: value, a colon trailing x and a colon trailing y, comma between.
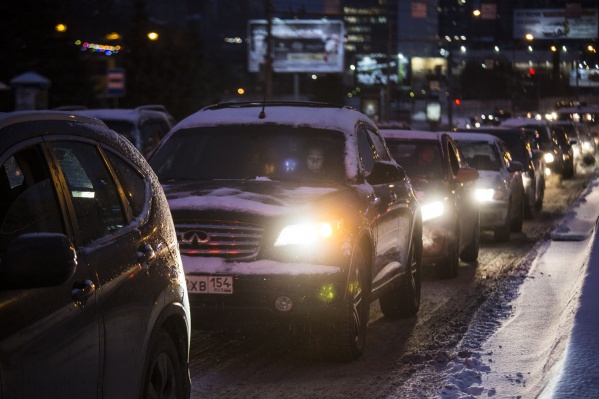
x: 209, y: 284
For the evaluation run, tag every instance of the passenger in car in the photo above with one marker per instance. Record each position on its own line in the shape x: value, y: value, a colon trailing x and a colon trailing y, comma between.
x: 315, y: 158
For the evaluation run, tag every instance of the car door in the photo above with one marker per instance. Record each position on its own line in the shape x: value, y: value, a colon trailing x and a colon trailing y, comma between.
x: 113, y: 246
x: 390, y: 212
x: 50, y: 336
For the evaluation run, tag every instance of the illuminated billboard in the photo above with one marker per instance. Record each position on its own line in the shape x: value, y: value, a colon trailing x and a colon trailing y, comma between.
x: 551, y: 24
x: 297, y: 45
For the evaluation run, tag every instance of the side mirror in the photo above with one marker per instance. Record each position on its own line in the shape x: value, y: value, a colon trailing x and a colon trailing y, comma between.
x: 384, y: 172
x: 515, y: 166
x: 35, y: 260
x: 467, y: 174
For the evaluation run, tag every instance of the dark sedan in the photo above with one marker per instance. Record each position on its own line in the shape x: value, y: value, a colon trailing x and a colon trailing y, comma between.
x: 292, y: 214
x: 444, y: 185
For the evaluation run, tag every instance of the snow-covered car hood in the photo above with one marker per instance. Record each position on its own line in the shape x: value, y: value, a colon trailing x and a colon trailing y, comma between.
x: 258, y: 197
x: 492, y: 179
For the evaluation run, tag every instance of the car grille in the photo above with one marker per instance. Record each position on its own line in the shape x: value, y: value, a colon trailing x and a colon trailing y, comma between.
x: 222, y: 239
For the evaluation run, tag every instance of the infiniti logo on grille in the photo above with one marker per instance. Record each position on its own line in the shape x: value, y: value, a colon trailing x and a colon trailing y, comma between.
x: 195, y: 237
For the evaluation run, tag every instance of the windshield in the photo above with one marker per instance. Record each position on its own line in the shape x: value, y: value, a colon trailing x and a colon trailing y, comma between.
x: 480, y: 155
x: 252, y: 152
x: 518, y: 148
x: 420, y: 159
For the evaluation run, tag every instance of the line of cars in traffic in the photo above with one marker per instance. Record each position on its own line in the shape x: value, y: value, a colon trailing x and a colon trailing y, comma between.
x: 276, y: 214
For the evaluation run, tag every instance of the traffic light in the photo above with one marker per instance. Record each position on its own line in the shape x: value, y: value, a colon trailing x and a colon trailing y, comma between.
x: 531, y: 71
x: 457, y: 101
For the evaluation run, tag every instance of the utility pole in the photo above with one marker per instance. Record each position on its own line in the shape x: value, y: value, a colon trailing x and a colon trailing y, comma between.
x: 268, y: 59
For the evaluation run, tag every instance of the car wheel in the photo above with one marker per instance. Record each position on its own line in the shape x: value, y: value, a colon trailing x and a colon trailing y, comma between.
x: 470, y: 253
x: 568, y: 169
x: 448, y: 268
x: 502, y: 233
x: 349, y: 333
x: 540, y: 196
x: 529, y: 204
x: 163, y: 377
x: 516, y: 224
x: 404, y: 299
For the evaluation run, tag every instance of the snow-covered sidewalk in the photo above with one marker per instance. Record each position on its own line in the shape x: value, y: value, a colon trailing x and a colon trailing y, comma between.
x: 548, y: 346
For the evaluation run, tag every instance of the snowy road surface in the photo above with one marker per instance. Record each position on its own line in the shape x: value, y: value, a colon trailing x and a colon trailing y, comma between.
x: 548, y: 347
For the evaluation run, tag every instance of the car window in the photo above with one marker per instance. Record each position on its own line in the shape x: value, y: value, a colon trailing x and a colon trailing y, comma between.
x: 28, y: 202
x: 366, y: 150
x: 251, y: 152
x: 133, y: 183
x: 481, y: 155
x: 151, y: 132
x: 93, y: 192
x: 379, y: 146
x: 453, y: 158
x: 420, y: 159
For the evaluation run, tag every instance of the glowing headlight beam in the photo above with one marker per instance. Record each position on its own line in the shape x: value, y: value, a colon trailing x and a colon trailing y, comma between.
x: 304, y: 234
x: 484, y: 194
x: 432, y: 210
x: 549, y: 157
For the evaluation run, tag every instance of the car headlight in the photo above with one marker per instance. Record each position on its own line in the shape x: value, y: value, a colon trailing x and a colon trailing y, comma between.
x: 432, y: 210
x: 549, y: 157
x: 586, y: 146
x: 305, y: 233
x: 488, y: 194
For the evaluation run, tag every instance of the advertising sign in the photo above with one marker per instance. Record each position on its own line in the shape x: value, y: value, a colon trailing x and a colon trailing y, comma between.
x: 297, y: 45
x: 582, y: 77
x: 550, y: 24
x: 374, y: 69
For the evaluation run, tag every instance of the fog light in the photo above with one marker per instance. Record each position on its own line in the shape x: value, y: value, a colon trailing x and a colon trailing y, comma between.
x: 283, y: 303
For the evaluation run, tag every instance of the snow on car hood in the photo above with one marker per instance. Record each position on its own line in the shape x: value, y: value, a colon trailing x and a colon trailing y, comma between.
x: 261, y: 197
x: 491, y: 179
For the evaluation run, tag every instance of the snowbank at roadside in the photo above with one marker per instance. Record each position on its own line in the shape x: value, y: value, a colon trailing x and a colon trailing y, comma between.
x: 548, y: 340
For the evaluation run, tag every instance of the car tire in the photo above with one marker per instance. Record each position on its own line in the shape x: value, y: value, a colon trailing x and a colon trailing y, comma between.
x: 470, y: 253
x: 502, y: 233
x: 516, y: 223
x: 163, y: 377
x: 568, y: 171
x: 541, y: 196
x: 403, y: 300
x: 448, y: 268
x: 349, y: 332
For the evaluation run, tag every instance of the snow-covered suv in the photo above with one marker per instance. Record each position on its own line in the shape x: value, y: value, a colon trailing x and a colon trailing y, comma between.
x: 292, y: 214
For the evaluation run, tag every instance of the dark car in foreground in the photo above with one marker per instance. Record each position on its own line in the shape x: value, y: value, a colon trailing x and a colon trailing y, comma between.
x: 530, y: 156
x: 93, y: 300
x: 499, y: 187
x: 292, y: 214
x: 445, y: 187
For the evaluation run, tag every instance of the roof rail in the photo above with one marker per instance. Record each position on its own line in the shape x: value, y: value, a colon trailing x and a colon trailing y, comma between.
x: 275, y: 103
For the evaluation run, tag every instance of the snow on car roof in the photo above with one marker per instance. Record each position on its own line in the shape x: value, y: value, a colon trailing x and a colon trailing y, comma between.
x: 125, y: 114
x: 333, y: 118
x: 489, y: 138
x: 522, y: 120
x: 411, y: 134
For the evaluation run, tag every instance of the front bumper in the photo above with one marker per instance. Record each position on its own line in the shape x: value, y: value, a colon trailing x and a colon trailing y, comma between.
x: 493, y: 214
x: 437, y: 240
x: 315, y: 296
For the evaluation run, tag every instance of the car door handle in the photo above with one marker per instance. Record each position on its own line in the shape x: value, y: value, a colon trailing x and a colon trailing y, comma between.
x: 145, y: 253
x: 82, y: 291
